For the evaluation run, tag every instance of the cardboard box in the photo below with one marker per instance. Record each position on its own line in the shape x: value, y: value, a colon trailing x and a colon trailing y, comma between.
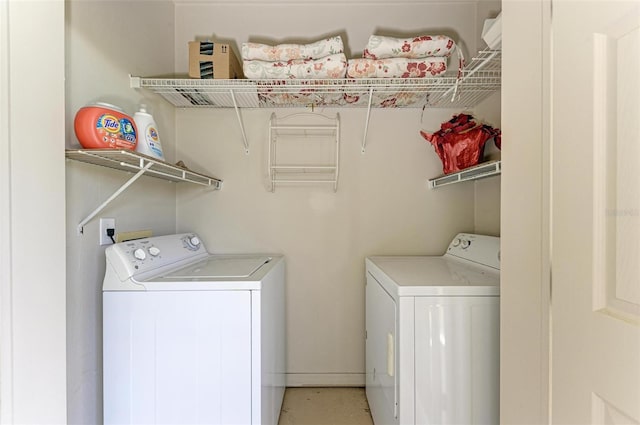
x: 213, y: 60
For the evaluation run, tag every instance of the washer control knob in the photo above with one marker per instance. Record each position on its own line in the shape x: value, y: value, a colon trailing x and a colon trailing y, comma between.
x: 466, y: 243
x: 154, y: 251
x: 456, y: 242
x: 139, y: 254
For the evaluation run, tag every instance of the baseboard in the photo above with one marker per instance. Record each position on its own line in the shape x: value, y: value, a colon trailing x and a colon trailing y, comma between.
x: 325, y: 379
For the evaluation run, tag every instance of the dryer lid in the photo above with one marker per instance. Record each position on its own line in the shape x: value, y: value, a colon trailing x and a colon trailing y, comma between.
x: 434, y: 276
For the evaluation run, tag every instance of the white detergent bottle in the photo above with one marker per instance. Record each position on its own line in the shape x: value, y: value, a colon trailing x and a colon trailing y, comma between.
x: 148, y: 139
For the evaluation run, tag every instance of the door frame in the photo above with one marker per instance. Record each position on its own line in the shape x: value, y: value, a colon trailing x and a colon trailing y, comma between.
x: 526, y: 212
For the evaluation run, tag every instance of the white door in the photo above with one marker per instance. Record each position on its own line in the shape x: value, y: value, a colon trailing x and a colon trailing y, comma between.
x: 381, y: 385
x: 457, y: 360
x: 595, y: 212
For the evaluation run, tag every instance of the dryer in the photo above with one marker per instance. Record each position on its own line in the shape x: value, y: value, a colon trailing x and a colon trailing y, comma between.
x: 191, y: 337
x: 432, y: 335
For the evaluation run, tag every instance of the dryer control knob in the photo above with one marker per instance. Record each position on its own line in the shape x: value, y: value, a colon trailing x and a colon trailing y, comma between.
x: 155, y: 251
x: 194, y: 241
x: 191, y: 242
x: 139, y: 254
x: 466, y: 243
x: 456, y: 242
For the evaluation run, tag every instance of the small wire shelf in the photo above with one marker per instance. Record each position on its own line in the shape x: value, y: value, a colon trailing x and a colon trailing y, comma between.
x: 131, y: 161
x: 480, y: 171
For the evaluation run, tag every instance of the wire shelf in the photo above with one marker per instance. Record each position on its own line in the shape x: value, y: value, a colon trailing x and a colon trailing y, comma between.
x: 474, y: 83
x: 131, y: 161
x: 480, y: 171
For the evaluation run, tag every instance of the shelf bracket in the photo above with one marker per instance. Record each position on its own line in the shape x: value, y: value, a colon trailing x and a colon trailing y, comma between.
x: 112, y: 197
x: 366, y: 124
x: 244, y: 135
x: 134, y: 82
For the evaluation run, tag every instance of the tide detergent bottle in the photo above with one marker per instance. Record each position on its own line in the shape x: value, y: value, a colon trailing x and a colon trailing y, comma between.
x: 105, y: 126
x: 149, y: 139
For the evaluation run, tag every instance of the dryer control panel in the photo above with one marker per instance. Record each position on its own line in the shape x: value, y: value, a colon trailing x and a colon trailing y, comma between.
x: 481, y: 249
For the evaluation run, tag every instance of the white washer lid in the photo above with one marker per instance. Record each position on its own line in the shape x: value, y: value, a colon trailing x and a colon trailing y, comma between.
x: 436, y: 276
x: 220, y: 267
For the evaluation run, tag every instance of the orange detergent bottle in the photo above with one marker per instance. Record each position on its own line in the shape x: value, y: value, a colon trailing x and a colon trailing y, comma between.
x: 105, y: 126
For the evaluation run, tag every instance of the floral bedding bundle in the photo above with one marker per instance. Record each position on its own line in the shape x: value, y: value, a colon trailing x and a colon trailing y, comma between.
x: 384, y: 57
x: 424, y: 46
x: 285, y: 52
x: 416, y: 57
x: 396, y: 67
x: 333, y: 66
x: 320, y: 59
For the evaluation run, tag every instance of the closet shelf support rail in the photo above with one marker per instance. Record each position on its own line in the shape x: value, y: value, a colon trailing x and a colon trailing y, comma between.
x: 132, y: 161
x: 366, y: 123
x: 112, y: 197
x: 244, y: 135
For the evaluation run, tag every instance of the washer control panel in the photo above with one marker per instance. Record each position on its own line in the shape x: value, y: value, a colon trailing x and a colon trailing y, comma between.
x: 144, y: 255
x: 481, y: 249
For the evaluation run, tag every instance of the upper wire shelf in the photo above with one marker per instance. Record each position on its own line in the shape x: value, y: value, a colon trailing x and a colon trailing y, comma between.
x: 479, y: 79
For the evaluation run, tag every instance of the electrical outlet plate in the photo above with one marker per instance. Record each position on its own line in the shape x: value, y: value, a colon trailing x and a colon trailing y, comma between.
x: 106, y: 223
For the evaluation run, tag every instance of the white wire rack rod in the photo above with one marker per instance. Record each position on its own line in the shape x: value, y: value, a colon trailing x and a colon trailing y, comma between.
x: 112, y: 197
x: 366, y: 123
x: 304, y: 181
x: 203, y: 181
x: 335, y: 184
x: 244, y: 135
x: 303, y: 167
x: 303, y: 127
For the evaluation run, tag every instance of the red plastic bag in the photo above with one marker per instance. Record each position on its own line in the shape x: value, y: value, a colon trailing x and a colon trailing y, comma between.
x: 460, y: 142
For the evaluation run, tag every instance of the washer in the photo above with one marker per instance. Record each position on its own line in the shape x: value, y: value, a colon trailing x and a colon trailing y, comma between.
x: 190, y: 337
x: 432, y: 335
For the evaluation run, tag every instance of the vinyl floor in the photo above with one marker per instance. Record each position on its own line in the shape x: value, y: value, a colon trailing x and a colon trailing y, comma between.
x: 325, y: 406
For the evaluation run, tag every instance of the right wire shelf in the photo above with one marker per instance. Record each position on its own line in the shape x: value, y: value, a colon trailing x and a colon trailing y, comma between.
x: 480, y: 171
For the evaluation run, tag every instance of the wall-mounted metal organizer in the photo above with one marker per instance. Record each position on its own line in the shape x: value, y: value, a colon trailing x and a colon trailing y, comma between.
x: 304, y: 148
x: 131, y: 161
x: 480, y: 78
x: 480, y: 171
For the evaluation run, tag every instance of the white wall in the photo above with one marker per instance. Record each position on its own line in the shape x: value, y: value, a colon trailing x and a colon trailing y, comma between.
x: 382, y: 205
x: 32, y: 275
x: 97, y: 68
